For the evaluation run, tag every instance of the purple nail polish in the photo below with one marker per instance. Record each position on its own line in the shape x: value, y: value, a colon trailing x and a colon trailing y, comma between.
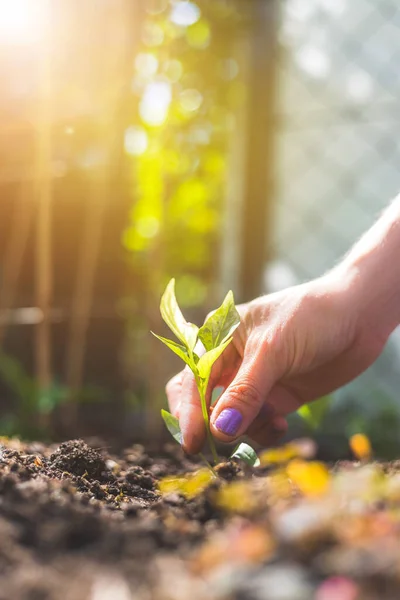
x: 229, y: 421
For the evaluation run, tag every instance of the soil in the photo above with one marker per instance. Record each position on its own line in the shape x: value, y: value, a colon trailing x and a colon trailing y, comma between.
x: 77, y: 522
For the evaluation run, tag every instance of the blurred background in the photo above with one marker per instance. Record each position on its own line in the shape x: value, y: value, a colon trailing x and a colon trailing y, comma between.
x: 232, y: 144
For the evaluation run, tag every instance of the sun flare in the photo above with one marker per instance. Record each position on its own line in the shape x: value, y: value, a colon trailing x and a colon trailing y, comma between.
x: 22, y: 21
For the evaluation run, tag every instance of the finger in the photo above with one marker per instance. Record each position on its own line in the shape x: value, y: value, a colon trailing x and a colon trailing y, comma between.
x: 173, y: 390
x: 243, y: 399
x: 268, y: 436
x: 283, y: 401
x: 271, y: 424
x: 190, y: 412
x: 190, y: 415
x: 268, y: 427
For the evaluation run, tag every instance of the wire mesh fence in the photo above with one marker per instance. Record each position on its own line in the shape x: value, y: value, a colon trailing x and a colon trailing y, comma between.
x: 338, y: 156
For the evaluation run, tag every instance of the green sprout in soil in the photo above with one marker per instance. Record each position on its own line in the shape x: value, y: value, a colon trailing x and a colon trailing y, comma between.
x: 214, y: 336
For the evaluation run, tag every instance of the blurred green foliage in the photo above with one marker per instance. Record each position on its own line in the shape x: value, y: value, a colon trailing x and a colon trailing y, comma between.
x: 314, y: 412
x: 186, y: 88
x: 334, y: 419
x: 31, y: 403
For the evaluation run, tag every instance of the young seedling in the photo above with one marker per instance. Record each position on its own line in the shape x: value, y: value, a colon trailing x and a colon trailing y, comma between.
x: 215, y: 336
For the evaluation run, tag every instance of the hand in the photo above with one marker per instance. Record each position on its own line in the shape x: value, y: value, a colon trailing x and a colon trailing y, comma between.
x: 291, y: 348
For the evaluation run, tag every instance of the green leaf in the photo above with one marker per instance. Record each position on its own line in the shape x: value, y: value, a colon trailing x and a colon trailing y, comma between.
x: 220, y: 325
x: 172, y: 425
x: 247, y: 454
x: 314, y: 412
x: 206, y: 361
x: 177, y: 348
x: 173, y: 317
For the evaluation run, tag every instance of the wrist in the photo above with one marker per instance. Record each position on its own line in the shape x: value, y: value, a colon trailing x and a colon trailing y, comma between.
x: 371, y: 272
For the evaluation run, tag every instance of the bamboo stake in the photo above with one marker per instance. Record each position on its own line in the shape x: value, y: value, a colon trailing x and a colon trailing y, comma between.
x: 43, y: 179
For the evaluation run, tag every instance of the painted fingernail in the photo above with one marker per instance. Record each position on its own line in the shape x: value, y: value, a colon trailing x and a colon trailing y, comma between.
x: 229, y: 421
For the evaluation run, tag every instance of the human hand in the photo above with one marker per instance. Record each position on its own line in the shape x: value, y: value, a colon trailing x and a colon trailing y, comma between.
x: 292, y: 347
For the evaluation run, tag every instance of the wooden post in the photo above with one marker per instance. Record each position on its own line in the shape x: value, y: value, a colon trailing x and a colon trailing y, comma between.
x: 102, y: 195
x: 15, y: 251
x: 259, y: 160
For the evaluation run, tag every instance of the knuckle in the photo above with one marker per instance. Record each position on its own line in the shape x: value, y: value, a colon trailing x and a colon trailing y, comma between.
x: 275, y: 343
x: 266, y: 345
x: 264, y: 341
x: 245, y: 394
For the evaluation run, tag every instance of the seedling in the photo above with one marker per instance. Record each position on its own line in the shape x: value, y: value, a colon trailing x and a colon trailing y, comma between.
x: 215, y: 336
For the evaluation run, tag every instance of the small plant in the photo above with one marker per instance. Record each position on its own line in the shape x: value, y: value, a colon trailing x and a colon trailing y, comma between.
x: 215, y: 336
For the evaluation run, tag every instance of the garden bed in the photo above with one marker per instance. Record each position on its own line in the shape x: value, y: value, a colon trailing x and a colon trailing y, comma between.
x: 77, y: 522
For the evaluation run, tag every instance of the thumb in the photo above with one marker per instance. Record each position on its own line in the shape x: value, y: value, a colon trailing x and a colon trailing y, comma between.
x: 240, y: 404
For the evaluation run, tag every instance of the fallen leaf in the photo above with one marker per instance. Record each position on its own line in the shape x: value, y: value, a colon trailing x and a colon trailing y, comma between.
x: 361, y: 446
x: 311, y: 478
x: 237, y: 497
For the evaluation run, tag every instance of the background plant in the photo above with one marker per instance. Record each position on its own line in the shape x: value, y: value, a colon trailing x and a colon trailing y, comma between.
x: 33, y: 406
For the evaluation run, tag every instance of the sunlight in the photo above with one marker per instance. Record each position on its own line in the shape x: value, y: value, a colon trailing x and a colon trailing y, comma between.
x: 22, y: 21
x: 155, y: 102
x: 136, y: 141
x: 185, y: 14
x: 314, y: 61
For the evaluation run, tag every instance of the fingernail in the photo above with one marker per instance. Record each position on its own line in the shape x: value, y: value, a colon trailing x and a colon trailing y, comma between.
x: 229, y: 421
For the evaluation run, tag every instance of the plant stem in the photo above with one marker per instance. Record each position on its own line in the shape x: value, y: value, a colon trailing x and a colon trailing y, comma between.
x: 212, y: 444
x: 202, y: 390
x: 203, y: 458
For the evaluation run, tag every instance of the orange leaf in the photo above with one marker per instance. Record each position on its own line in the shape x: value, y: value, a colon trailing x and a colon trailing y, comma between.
x: 361, y: 446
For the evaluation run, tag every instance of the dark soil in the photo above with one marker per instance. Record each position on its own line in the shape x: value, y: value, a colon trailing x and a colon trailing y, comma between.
x: 78, y: 523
